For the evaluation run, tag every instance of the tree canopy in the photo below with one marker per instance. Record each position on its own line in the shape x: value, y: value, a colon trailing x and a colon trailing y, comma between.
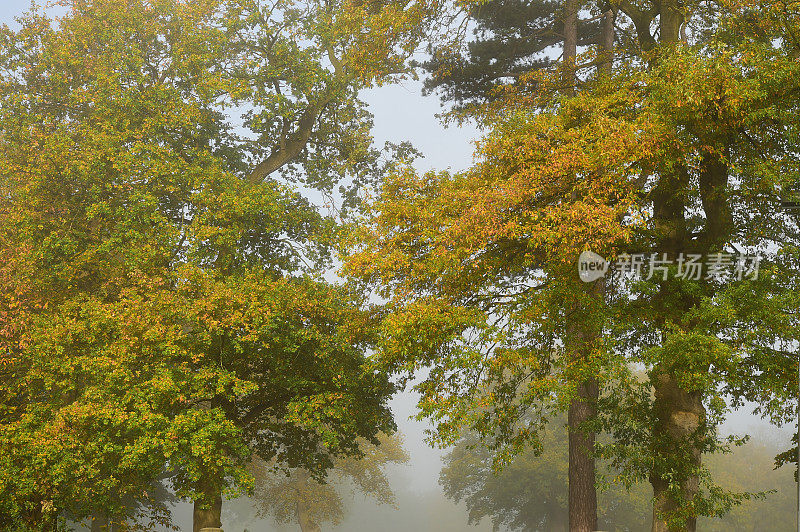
x: 682, y: 148
x: 166, y: 305
x: 163, y: 302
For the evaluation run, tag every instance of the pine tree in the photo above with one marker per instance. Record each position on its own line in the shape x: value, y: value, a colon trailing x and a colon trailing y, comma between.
x: 513, y: 40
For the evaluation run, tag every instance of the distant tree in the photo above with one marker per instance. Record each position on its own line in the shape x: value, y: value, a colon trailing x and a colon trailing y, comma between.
x: 530, y: 493
x: 751, y: 468
x: 295, y: 496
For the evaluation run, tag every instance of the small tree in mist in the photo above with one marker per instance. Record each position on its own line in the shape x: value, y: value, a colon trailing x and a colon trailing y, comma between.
x: 296, y: 496
x: 530, y: 492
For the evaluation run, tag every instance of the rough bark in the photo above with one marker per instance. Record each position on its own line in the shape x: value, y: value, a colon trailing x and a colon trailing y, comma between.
x: 679, y: 418
x: 582, y: 491
x: 208, y: 515
x: 671, y: 21
x: 307, y: 523
x: 714, y: 196
x: 581, y: 336
x: 677, y: 412
x: 100, y: 523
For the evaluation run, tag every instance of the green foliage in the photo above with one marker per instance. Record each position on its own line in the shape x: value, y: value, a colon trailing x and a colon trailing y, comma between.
x: 683, y: 147
x: 162, y: 305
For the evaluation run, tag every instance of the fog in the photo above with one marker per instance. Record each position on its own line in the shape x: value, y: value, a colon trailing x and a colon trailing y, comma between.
x: 420, y: 502
x: 401, y: 113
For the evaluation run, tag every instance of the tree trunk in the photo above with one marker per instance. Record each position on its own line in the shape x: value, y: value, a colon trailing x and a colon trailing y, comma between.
x: 208, y: 515
x: 307, y: 524
x: 607, y: 37
x: 571, y: 8
x: 679, y: 418
x: 671, y: 21
x: 100, y: 523
x: 679, y: 414
x: 581, y: 337
x: 582, y: 477
x: 582, y: 492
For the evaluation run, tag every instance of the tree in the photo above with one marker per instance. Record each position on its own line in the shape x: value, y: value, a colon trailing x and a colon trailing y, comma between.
x: 163, y: 307
x: 684, y: 149
x: 481, y: 280
x: 101, y: 160
x: 530, y: 492
x: 294, y: 496
x: 512, y: 41
x: 716, y: 173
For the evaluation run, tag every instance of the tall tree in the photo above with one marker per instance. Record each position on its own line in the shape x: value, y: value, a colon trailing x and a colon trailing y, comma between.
x: 163, y: 306
x: 683, y: 150
x: 480, y: 270
x: 513, y: 40
x: 715, y: 175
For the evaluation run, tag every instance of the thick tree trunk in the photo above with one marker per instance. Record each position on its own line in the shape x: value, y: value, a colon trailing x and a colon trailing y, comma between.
x: 100, y: 523
x: 581, y: 337
x: 582, y: 502
x: 679, y: 418
x: 307, y: 524
x: 679, y: 414
x: 671, y: 21
x: 209, y: 515
x: 582, y: 492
